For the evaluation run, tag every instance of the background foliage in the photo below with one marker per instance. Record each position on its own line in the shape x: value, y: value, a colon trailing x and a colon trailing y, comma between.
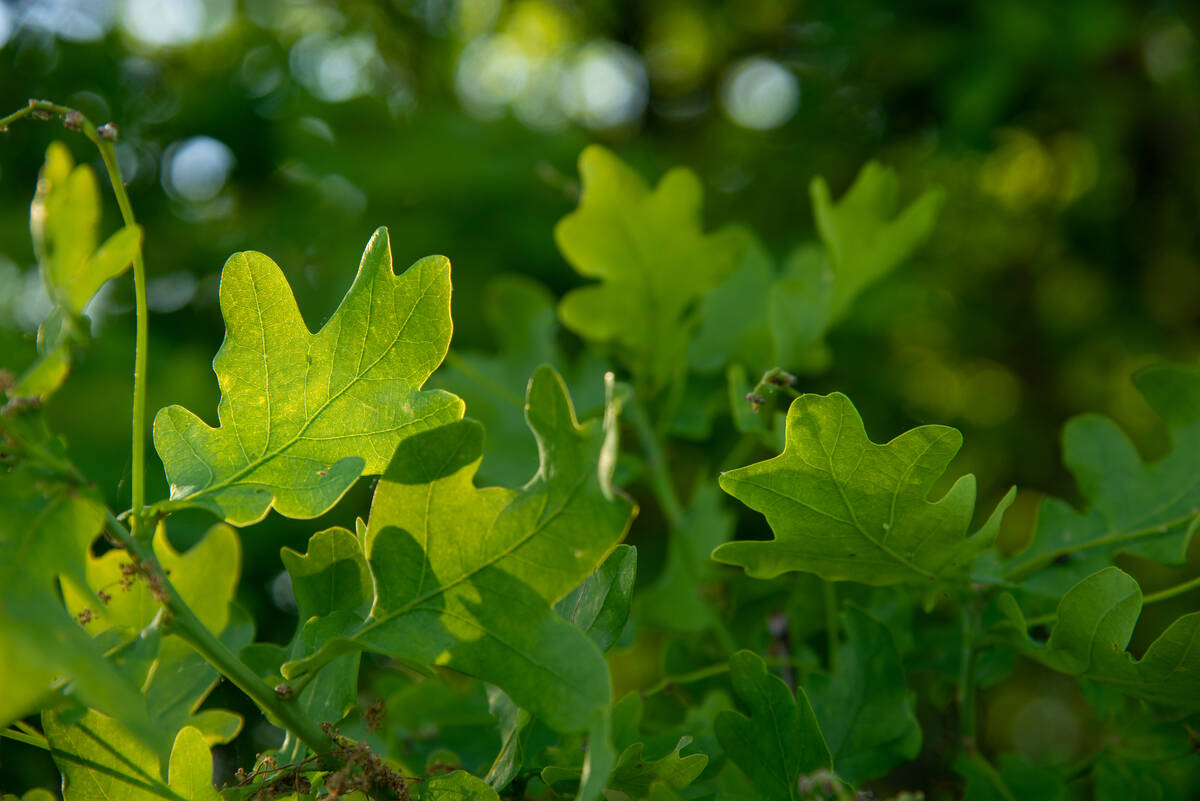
x: 1065, y: 136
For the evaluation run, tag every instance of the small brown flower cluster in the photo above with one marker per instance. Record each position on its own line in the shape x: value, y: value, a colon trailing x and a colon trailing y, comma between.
x: 360, y: 770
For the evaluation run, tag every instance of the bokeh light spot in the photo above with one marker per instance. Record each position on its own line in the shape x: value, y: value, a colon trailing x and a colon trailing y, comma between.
x: 492, y: 71
x: 6, y: 24
x: 196, y: 169
x: 162, y: 23
x: 335, y: 69
x: 759, y: 93
x: 605, y: 87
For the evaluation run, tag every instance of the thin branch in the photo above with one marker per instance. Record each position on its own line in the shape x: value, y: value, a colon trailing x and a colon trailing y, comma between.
x: 188, y: 627
x: 103, y: 138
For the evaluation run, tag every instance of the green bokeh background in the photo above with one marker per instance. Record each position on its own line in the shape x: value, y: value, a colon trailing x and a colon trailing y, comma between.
x: 1066, y: 134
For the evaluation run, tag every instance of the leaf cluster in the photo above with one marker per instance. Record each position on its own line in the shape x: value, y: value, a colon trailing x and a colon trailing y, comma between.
x: 816, y: 623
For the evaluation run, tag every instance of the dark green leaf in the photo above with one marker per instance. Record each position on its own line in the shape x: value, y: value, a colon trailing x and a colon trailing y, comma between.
x: 466, y: 577
x: 1014, y: 778
x: 866, y: 712
x: 676, y: 601
x: 847, y: 509
x: 780, y: 740
x: 1095, y: 620
x: 457, y: 786
x: 1147, y: 509
x: 600, y: 605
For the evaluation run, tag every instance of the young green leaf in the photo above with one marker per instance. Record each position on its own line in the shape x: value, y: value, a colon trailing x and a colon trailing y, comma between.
x: 732, y: 324
x: 456, y: 786
x: 466, y: 577
x: 637, y: 776
x: 522, y: 321
x: 513, y: 722
x: 1150, y: 510
x: 100, y: 760
x: 850, y: 510
x: 302, y: 415
x: 600, y: 605
x: 865, y: 234
x: 652, y: 258
x: 1015, y: 777
x: 780, y: 740
x: 866, y: 713
x: 178, y: 679
x: 1095, y: 620
x: 64, y: 220
x: 762, y: 319
x: 676, y: 601
x: 45, y: 532
x: 333, y: 589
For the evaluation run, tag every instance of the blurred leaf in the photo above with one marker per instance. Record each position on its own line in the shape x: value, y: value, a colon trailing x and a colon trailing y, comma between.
x: 732, y: 320
x: 780, y: 740
x: 847, y: 509
x: 865, y: 233
x: 520, y: 316
x: 456, y: 786
x: 866, y: 712
x: 100, y: 760
x: 178, y: 679
x: 652, y: 258
x: 45, y: 531
x: 800, y: 308
x: 600, y: 605
x: 1015, y: 777
x: 303, y: 415
x: 676, y: 601
x: 1146, y: 509
x: 762, y: 319
x: 637, y: 776
x: 1089, y: 639
x: 47, y: 373
x: 513, y: 723
x: 333, y: 589
x: 64, y: 220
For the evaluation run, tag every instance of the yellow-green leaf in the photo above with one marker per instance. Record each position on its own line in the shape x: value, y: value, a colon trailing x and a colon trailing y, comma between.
x: 302, y: 415
x: 652, y: 258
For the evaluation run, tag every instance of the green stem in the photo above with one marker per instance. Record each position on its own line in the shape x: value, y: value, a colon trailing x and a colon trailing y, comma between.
x: 1114, y: 538
x: 1152, y: 598
x: 103, y: 140
x: 1171, y: 592
x: 831, y: 624
x: 28, y: 739
x: 141, y: 345
x: 719, y: 669
x: 993, y: 775
x: 660, y: 479
x: 966, y: 679
x: 188, y: 627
